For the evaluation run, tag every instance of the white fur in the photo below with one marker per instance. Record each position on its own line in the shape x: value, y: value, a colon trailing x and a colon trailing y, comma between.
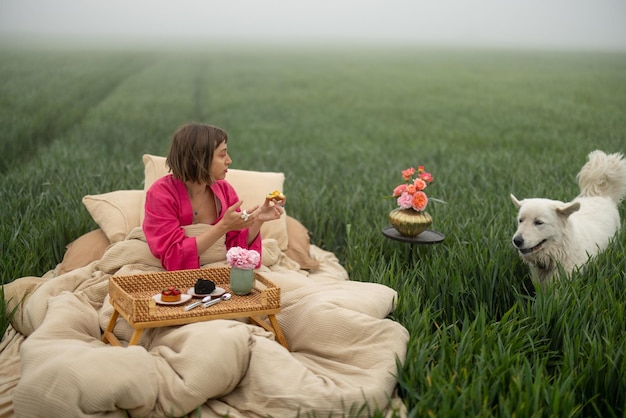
x: 552, y: 233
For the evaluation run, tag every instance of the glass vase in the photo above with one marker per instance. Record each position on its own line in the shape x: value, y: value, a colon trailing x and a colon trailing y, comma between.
x: 241, y: 281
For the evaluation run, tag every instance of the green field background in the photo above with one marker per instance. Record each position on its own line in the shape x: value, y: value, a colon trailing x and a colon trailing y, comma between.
x: 341, y: 123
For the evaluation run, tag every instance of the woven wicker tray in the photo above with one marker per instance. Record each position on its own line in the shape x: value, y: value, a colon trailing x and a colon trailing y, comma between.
x: 132, y: 295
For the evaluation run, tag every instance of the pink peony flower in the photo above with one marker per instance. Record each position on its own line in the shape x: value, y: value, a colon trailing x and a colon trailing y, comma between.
x: 243, y: 258
x: 405, y: 201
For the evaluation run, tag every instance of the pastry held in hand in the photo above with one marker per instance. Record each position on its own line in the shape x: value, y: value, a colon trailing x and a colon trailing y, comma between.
x: 203, y: 287
x: 277, y: 197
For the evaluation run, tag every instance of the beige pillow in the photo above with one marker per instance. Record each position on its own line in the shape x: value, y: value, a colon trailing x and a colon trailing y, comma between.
x: 300, y: 245
x: 154, y: 167
x: 251, y: 187
x: 116, y: 213
x: 83, y: 250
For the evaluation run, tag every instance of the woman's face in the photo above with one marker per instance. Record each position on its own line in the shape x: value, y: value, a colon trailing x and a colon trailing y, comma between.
x: 221, y: 161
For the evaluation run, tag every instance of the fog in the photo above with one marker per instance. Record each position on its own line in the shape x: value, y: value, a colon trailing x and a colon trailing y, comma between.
x: 572, y: 24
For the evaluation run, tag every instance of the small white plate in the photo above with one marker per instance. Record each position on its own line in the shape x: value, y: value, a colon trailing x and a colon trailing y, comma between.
x: 183, y: 298
x: 214, y: 294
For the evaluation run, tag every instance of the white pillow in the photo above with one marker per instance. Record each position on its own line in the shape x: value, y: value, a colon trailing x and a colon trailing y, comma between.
x: 116, y: 213
x: 251, y: 187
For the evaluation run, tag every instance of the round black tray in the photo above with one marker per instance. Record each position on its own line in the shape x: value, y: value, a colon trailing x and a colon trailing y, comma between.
x: 427, y: 237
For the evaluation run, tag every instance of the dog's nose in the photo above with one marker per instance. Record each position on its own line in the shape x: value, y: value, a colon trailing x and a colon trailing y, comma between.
x: 518, y: 241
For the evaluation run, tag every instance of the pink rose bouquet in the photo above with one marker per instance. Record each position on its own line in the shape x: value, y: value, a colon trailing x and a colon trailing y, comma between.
x: 243, y: 258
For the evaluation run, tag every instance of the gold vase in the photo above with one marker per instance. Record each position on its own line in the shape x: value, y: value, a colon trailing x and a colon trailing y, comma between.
x: 409, y: 222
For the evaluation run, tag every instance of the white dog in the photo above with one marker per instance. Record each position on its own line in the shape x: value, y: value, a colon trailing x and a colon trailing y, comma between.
x: 552, y: 233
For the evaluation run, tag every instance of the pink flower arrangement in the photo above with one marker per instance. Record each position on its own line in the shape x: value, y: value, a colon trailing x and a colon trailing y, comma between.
x: 243, y: 258
x: 411, y: 194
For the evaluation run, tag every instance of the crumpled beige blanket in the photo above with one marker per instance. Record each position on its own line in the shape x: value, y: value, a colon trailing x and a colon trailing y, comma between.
x: 343, y: 349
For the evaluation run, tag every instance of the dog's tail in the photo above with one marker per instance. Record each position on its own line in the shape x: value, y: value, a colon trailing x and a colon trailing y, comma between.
x: 603, y: 175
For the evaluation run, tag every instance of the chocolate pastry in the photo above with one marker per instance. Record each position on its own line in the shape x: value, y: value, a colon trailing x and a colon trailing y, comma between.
x: 203, y: 287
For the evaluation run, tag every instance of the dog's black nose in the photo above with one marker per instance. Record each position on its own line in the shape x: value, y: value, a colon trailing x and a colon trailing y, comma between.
x: 518, y: 241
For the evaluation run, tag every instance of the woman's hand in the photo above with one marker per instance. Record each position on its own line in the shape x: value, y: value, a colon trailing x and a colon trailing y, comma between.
x: 257, y: 215
x: 235, y: 220
x: 269, y: 211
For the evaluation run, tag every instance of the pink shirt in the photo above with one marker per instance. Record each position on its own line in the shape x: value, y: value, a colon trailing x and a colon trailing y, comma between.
x: 168, y: 210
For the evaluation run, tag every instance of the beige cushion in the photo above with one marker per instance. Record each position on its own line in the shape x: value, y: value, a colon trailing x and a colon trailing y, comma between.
x: 16, y: 294
x: 116, y: 213
x: 84, y: 250
x: 300, y: 245
x: 251, y: 187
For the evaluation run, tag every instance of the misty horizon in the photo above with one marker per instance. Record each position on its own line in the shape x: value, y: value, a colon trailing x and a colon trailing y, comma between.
x: 575, y: 24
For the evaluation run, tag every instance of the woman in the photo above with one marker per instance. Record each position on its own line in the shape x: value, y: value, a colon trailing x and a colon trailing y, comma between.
x: 196, y: 192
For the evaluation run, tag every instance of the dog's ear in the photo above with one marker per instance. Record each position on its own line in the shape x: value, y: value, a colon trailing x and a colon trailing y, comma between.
x: 567, y: 209
x: 517, y: 202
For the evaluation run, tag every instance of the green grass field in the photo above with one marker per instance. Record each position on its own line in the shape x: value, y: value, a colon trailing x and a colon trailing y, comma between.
x: 341, y: 124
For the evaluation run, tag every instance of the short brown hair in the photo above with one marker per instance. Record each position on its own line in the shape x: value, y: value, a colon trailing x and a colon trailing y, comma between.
x: 191, y: 151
